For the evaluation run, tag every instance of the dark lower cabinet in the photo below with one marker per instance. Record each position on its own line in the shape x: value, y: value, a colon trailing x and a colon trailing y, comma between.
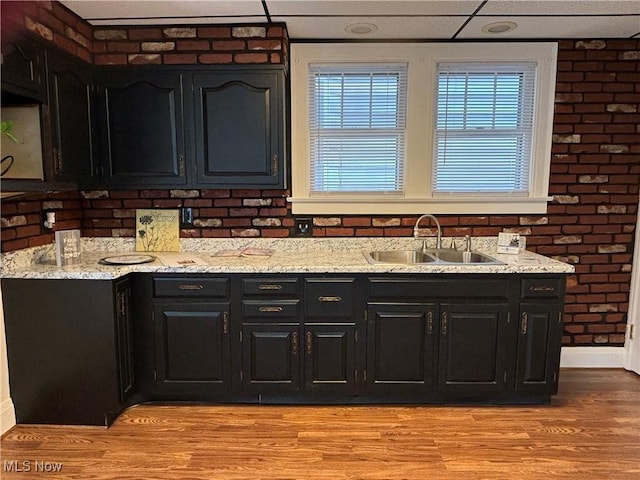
x: 69, y: 352
x: 330, y: 359
x: 538, y: 349
x: 270, y: 358
x: 88, y: 348
x: 400, y: 347
x: 473, y: 348
x: 192, y: 347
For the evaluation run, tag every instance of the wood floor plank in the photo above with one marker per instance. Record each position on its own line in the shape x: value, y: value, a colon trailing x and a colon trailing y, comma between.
x: 590, y: 431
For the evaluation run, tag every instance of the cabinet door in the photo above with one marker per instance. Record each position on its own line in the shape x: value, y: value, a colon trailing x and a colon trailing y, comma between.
x: 270, y: 358
x: 539, y: 340
x: 71, y: 118
x: 23, y: 67
x: 473, y: 348
x: 239, y: 128
x: 192, y: 347
x: 400, y: 347
x: 330, y: 358
x: 143, y: 128
x: 124, y: 339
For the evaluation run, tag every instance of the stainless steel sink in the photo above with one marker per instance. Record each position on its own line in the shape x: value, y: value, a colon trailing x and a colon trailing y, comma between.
x: 398, y: 256
x: 441, y: 256
x: 457, y: 256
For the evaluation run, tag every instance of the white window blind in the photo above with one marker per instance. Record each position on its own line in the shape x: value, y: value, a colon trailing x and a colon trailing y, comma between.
x: 357, y: 127
x: 483, y: 128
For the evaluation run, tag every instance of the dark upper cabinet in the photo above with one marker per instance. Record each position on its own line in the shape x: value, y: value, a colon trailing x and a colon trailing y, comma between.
x: 400, y: 349
x: 23, y: 61
x: 142, y: 122
x: 473, y: 348
x: 70, y: 106
x: 240, y: 128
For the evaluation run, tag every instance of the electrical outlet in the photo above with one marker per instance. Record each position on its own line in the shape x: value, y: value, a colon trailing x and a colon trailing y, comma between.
x: 186, y: 217
x: 304, y: 227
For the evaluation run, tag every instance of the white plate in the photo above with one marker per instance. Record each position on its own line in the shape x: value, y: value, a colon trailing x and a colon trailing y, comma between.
x: 127, y: 259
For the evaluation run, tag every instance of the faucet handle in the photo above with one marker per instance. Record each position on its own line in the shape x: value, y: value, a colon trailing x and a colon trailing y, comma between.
x: 467, y: 242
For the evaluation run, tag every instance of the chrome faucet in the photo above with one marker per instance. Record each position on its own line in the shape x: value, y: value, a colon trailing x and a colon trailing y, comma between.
x: 416, y: 231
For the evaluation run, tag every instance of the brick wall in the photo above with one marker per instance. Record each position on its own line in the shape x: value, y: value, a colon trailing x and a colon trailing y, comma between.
x: 595, y: 172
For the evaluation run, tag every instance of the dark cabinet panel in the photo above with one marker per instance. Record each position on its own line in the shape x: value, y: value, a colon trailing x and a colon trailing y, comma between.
x: 68, y: 354
x: 473, y: 349
x: 126, y: 360
x: 143, y: 125
x: 192, y: 347
x: 400, y: 347
x: 70, y: 85
x: 23, y: 63
x: 538, y: 348
x: 330, y: 299
x: 239, y: 128
x: 270, y: 358
x: 330, y: 358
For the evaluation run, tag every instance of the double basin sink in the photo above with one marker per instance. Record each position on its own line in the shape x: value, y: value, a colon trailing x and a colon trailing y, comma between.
x: 439, y: 256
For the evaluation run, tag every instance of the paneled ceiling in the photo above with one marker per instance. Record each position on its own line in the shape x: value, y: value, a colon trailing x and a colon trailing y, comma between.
x: 385, y: 19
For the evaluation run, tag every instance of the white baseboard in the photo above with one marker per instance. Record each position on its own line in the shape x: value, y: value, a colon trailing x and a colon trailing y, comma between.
x: 592, y: 357
x: 7, y: 416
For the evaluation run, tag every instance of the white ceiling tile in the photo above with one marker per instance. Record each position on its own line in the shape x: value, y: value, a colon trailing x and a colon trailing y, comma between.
x: 390, y: 28
x: 105, y: 9
x: 560, y: 7
x: 372, y: 7
x: 180, y: 21
x: 555, y: 27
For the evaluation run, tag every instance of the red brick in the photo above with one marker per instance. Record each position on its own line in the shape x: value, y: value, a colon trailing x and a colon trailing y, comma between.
x: 145, y: 33
x: 179, y: 58
x: 250, y: 58
x: 214, y: 32
x: 215, y: 58
x: 193, y: 45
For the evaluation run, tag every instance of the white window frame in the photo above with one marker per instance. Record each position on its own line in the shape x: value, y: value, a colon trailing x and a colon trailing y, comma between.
x: 422, y: 60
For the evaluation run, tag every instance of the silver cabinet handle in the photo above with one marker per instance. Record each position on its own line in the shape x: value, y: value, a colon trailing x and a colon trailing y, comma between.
x: 330, y: 299
x: 270, y: 287
x: 186, y: 286
x: 270, y: 309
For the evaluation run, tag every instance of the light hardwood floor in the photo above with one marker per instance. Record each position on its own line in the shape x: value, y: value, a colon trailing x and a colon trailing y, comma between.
x: 591, y: 430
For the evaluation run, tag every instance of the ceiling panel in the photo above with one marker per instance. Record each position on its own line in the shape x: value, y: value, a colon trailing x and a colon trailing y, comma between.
x: 391, y: 28
x: 110, y: 9
x: 368, y: 7
x: 556, y: 7
x: 554, y: 27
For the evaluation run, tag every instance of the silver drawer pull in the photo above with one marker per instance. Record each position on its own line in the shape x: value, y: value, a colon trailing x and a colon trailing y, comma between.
x: 270, y: 309
x: 186, y: 286
x: 541, y: 288
x: 270, y: 287
x: 330, y: 299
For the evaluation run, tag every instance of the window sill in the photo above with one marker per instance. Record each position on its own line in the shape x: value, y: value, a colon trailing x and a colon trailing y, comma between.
x: 402, y: 206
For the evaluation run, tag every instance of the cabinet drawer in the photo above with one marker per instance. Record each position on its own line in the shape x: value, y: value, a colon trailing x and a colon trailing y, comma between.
x: 542, y: 288
x: 274, y: 310
x: 327, y: 297
x: 270, y: 286
x: 437, y: 288
x: 191, y: 287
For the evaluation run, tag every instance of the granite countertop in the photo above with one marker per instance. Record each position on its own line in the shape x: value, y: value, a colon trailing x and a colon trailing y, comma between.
x: 313, y: 255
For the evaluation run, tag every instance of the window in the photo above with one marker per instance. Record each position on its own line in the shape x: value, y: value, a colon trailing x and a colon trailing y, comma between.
x: 357, y: 119
x: 415, y: 128
x: 483, y: 128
